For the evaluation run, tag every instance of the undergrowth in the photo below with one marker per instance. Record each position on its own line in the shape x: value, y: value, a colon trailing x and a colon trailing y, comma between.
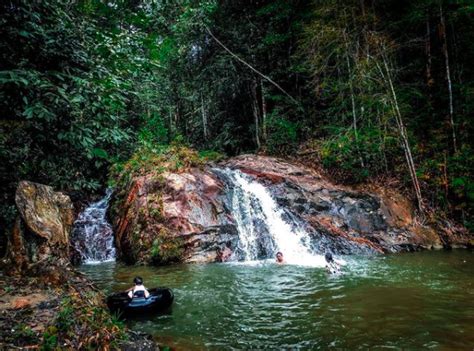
x: 82, y: 323
x: 158, y: 159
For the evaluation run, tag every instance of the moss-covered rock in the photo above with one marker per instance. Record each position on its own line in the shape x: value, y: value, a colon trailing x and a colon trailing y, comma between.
x: 156, y: 221
x: 163, y: 197
x: 42, y: 230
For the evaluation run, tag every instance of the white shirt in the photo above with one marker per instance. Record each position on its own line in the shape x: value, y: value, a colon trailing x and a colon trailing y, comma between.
x: 138, y: 288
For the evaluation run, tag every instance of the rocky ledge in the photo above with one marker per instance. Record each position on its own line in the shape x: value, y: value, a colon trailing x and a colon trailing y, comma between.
x: 186, y: 215
x: 44, y: 302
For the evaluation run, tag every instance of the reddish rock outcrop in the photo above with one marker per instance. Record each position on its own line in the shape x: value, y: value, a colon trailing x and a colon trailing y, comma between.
x: 187, y: 216
x: 177, y: 216
x: 381, y: 221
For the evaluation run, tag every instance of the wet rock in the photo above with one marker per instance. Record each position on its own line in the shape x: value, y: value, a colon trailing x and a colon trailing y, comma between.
x: 343, y: 219
x: 138, y: 341
x: 187, y: 215
x: 47, y: 213
x: 215, y: 244
x: 224, y: 255
x: 41, y: 231
x: 180, y: 216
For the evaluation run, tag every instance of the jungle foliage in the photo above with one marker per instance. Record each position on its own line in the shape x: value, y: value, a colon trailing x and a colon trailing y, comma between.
x: 370, y: 88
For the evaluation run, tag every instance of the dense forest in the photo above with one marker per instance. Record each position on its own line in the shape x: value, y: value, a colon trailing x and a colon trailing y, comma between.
x: 367, y: 90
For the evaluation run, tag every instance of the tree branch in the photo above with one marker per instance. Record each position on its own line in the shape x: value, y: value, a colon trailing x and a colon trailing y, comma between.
x: 251, y: 67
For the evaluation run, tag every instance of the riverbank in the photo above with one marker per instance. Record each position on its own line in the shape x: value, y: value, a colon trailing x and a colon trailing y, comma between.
x: 35, y: 314
x: 45, y: 302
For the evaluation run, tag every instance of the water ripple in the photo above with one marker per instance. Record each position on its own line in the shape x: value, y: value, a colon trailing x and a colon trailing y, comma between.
x: 418, y: 301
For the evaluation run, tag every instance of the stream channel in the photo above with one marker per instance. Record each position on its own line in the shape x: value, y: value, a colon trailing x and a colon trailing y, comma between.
x: 421, y: 300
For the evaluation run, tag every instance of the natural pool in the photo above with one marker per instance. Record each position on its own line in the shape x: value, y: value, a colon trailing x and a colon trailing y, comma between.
x: 412, y: 301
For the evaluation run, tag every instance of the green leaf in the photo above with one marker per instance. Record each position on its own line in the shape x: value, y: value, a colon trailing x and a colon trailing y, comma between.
x: 100, y: 153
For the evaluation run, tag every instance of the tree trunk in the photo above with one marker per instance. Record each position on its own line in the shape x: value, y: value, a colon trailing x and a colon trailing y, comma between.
x: 448, y: 77
x: 403, y: 133
x: 429, y: 76
x: 365, y: 30
x: 255, y: 113
x: 445, y: 179
x: 372, y: 3
x: 264, y: 111
x: 204, y: 119
x: 382, y: 126
x: 176, y: 120
x: 171, y: 123
x: 353, y: 104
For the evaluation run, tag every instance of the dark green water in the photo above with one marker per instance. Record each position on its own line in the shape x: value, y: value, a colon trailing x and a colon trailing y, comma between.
x: 411, y: 301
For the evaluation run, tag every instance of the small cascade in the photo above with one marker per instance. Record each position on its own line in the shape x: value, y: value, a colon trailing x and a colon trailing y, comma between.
x: 92, y: 235
x: 264, y: 228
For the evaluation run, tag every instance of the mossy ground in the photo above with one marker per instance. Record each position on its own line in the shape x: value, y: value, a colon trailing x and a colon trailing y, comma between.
x: 73, y: 317
x: 156, y: 160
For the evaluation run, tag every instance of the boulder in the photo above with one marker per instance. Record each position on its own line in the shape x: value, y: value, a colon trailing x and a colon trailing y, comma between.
x: 176, y: 217
x: 41, y: 231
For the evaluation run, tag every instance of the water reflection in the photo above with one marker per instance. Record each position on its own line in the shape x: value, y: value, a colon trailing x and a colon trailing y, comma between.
x: 414, y: 301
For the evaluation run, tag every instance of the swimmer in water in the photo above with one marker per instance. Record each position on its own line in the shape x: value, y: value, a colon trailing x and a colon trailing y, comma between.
x: 331, y: 265
x: 279, y: 258
x: 138, y: 290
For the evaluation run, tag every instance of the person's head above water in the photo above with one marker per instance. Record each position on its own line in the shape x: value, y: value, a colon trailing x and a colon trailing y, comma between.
x: 138, y: 280
x: 328, y: 257
x: 279, y: 256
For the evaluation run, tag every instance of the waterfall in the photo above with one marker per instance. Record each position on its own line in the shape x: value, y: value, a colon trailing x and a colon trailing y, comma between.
x: 92, y: 235
x: 264, y: 227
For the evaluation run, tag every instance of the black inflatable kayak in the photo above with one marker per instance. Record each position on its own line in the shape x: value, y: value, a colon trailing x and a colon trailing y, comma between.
x: 159, y: 300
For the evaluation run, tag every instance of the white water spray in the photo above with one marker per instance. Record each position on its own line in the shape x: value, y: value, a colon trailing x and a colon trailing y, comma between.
x: 93, y: 235
x: 251, y: 203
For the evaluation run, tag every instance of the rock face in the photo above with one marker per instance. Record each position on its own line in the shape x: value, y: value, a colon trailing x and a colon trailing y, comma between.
x: 41, y: 231
x: 178, y: 216
x: 187, y: 216
x: 343, y: 219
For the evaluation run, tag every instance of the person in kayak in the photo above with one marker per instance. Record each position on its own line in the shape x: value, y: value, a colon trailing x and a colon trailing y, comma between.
x: 279, y: 258
x: 138, y: 290
x: 331, y: 265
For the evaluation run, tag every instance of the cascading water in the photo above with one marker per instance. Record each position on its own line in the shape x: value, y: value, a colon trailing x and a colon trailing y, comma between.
x: 92, y: 235
x: 264, y: 228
